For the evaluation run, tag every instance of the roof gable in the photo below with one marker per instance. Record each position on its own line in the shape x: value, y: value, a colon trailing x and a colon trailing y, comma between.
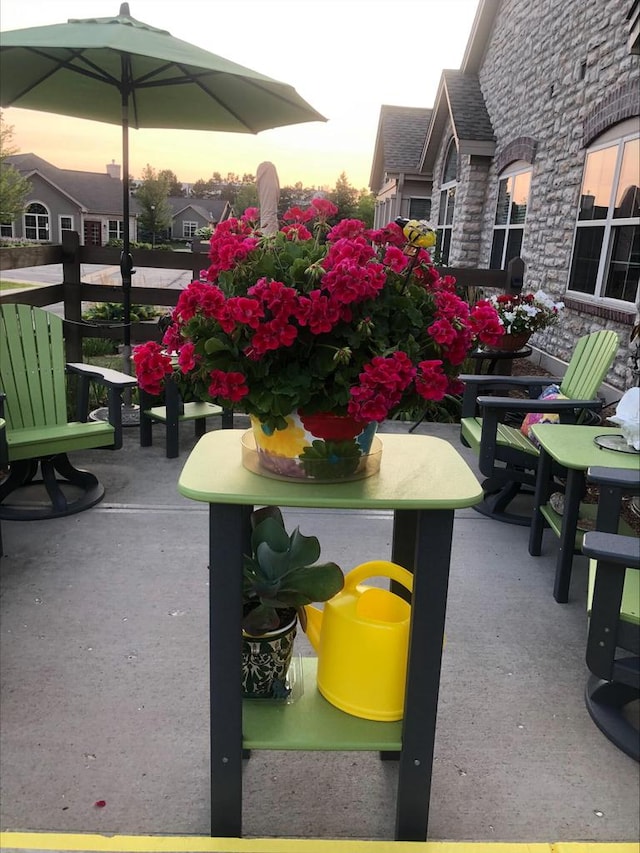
x: 460, y: 102
x: 399, y: 141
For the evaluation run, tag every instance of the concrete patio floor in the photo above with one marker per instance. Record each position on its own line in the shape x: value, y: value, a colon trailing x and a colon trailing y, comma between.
x: 104, y: 690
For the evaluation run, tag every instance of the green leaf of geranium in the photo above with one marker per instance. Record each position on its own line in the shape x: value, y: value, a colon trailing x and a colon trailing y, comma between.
x: 212, y: 345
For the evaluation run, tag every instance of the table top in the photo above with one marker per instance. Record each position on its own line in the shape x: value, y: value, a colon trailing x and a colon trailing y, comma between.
x: 574, y: 447
x: 416, y: 472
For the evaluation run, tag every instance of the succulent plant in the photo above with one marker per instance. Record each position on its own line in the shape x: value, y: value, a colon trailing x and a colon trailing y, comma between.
x: 281, y: 573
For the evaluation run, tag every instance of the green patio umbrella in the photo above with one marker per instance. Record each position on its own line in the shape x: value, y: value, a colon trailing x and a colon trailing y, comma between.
x: 122, y: 71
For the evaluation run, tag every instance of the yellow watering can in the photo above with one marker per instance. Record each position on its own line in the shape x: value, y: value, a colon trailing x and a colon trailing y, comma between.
x: 362, y: 638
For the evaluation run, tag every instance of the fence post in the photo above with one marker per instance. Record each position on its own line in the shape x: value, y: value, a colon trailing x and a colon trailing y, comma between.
x: 201, y: 257
x: 71, y: 285
x: 515, y: 276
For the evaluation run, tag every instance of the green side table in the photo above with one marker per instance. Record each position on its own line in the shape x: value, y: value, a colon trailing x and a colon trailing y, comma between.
x: 423, y: 480
x: 573, y: 448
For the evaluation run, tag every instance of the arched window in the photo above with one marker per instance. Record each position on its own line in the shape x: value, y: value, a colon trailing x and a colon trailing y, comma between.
x: 606, y: 249
x: 447, y: 203
x: 36, y: 222
x: 511, y: 212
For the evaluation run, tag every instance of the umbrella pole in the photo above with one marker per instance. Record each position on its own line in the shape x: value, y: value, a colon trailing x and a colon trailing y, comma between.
x: 126, y: 261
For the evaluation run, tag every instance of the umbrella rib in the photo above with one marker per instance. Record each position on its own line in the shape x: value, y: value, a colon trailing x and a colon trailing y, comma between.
x: 97, y: 74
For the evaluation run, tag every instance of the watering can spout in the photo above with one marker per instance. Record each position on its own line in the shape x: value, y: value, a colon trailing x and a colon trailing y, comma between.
x: 314, y: 625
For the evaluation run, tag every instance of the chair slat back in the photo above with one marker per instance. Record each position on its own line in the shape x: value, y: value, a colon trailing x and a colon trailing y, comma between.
x: 591, y: 359
x: 32, y: 367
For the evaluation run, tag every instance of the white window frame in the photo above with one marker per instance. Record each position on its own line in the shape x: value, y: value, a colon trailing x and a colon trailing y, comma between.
x: 3, y: 229
x: 189, y: 229
x: 62, y: 228
x: 423, y: 200
x: 446, y: 202
x: 42, y: 222
x: 511, y: 173
x: 116, y: 233
x: 616, y: 136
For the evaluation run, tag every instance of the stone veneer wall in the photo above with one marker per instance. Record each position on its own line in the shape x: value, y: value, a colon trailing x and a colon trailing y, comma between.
x: 554, y: 76
x: 559, y: 74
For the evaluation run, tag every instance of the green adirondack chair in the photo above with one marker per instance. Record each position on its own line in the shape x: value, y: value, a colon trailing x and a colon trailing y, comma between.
x: 38, y: 435
x: 506, y: 457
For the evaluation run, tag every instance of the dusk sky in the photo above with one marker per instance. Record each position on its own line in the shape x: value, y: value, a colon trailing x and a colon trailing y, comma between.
x: 345, y: 57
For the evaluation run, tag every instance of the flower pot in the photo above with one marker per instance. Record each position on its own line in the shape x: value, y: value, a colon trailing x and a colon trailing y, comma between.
x: 512, y: 343
x: 319, y: 447
x: 266, y: 660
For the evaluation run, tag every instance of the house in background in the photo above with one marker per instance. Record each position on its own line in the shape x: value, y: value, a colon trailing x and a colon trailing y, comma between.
x: 66, y: 200
x: 401, y: 188
x: 189, y: 215
x: 91, y: 204
x: 533, y: 150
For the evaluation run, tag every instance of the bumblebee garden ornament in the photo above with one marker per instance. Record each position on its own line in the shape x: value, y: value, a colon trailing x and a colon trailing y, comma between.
x: 316, y: 319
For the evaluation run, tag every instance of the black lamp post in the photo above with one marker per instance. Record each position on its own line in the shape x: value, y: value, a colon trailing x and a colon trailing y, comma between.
x: 153, y: 226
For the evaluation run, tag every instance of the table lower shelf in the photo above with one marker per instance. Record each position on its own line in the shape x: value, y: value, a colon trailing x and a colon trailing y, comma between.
x: 587, y: 511
x: 312, y: 723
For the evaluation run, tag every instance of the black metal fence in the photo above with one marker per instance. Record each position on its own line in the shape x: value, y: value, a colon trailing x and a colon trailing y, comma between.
x: 72, y: 291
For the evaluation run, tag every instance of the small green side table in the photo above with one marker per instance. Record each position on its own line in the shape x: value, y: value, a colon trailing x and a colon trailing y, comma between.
x: 572, y: 447
x: 423, y: 480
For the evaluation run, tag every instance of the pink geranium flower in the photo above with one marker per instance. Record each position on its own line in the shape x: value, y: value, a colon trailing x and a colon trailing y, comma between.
x: 321, y: 316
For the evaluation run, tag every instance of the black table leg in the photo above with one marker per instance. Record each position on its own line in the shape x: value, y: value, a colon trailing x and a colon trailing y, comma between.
x: 228, y: 534
x: 403, y: 546
x: 573, y: 493
x: 434, y: 531
x: 543, y: 477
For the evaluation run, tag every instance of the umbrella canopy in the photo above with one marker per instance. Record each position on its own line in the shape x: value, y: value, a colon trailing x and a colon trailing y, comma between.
x: 122, y: 71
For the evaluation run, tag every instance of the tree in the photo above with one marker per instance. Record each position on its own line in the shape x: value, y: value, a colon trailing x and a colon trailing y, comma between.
x: 14, y: 189
x: 174, y: 186
x: 366, y: 207
x: 345, y: 197
x: 205, y: 189
x: 247, y: 196
x: 152, y: 195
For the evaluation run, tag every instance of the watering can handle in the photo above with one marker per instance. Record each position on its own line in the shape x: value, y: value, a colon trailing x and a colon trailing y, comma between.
x: 379, y: 568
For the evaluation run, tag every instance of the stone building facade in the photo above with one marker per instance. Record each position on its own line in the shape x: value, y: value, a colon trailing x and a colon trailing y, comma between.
x: 543, y: 87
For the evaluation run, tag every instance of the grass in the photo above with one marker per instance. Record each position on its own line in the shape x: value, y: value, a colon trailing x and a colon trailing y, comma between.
x: 17, y: 285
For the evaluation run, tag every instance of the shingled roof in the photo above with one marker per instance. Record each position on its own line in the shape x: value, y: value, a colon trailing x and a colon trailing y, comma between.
x: 459, y: 102
x: 211, y: 209
x: 468, y: 109
x: 399, y: 141
x: 96, y: 192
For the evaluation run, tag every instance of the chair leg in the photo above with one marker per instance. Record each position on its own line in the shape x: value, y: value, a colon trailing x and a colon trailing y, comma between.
x: 605, y: 701
x: 146, y: 424
x: 22, y: 475
x: 495, y: 502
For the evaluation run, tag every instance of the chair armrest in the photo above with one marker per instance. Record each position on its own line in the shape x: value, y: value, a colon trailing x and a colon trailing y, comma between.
x: 479, y: 384
x: 115, y: 381
x: 493, y: 407
x: 612, y: 548
x: 515, y: 381
x: 104, y: 375
x: 628, y: 481
x: 515, y: 404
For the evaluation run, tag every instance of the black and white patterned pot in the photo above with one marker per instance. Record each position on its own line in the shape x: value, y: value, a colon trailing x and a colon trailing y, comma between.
x: 266, y: 660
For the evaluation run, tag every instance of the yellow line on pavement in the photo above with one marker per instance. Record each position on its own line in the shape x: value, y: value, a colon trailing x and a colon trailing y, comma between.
x: 13, y: 842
